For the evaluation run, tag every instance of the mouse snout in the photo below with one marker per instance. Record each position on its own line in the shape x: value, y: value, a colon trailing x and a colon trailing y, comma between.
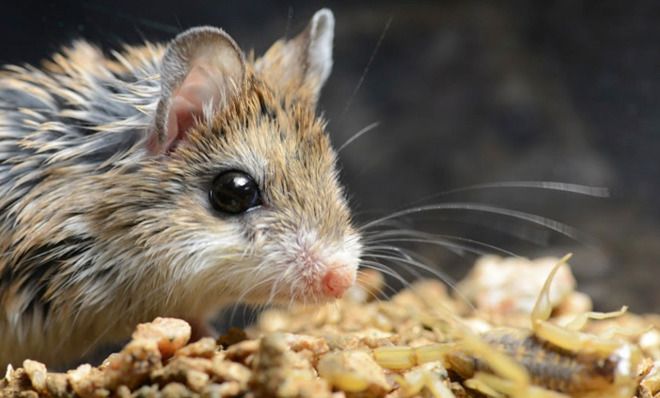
x: 318, y: 269
x: 337, y: 280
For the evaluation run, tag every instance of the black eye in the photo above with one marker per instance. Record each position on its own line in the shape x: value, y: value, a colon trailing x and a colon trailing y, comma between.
x: 234, y: 192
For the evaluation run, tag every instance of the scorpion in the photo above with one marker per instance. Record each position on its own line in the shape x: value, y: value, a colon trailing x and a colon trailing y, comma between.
x: 548, y: 360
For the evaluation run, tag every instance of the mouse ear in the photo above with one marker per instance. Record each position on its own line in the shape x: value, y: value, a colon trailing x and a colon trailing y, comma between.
x: 202, y: 69
x: 302, y: 64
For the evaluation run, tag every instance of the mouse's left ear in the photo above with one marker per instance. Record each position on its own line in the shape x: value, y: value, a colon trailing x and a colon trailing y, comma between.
x: 301, y: 65
x: 202, y: 70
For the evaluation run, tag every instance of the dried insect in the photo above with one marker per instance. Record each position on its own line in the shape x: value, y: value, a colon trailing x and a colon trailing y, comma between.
x: 556, y: 357
x: 546, y: 361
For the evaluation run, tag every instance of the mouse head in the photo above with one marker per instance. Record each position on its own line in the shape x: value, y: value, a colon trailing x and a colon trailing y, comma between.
x: 244, y: 197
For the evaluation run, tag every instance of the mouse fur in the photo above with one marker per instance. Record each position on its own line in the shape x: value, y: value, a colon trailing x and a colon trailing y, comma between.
x: 105, y: 166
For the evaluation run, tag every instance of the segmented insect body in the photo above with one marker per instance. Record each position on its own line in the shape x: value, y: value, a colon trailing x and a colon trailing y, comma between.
x: 547, y: 365
x: 550, y: 360
x: 558, y: 358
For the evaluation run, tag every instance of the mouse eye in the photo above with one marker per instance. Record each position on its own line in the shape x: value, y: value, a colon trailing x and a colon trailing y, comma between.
x: 234, y: 192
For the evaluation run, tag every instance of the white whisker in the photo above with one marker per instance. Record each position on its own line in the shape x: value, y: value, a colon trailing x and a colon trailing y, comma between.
x: 548, y: 223
x: 579, y: 189
x: 414, y: 236
x: 358, y: 135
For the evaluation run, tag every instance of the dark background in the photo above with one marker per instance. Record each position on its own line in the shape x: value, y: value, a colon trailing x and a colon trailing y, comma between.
x: 466, y: 92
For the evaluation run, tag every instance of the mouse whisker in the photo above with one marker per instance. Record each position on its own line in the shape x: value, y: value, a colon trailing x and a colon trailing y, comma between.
x: 399, y: 255
x: 381, y: 293
x: 375, y: 265
x: 548, y: 223
x: 446, y: 240
x: 578, y: 189
x: 275, y: 285
x: 357, y: 135
x: 381, y: 38
x: 524, y: 232
x: 455, y: 248
x: 408, y: 260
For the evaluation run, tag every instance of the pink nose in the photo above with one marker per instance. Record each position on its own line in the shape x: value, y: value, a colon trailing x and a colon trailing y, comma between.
x: 336, y: 281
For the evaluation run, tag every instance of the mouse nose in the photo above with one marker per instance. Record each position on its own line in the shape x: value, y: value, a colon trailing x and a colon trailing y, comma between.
x: 336, y: 281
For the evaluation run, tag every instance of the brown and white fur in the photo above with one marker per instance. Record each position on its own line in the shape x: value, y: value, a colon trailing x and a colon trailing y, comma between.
x: 105, y: 165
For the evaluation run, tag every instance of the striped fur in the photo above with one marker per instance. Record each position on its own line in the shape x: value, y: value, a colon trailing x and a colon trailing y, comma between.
x: 97, y: 234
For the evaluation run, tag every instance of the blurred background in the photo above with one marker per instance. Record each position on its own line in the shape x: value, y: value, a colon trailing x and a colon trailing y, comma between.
x: 464, y: 93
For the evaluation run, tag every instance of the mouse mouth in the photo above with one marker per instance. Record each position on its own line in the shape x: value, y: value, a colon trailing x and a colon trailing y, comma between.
x: 303, y: 283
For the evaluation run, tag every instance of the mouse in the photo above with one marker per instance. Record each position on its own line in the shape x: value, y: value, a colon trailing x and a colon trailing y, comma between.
x: 166, y: 180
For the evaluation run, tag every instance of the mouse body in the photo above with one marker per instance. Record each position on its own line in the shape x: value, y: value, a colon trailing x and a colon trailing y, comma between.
x: 165, y: 180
